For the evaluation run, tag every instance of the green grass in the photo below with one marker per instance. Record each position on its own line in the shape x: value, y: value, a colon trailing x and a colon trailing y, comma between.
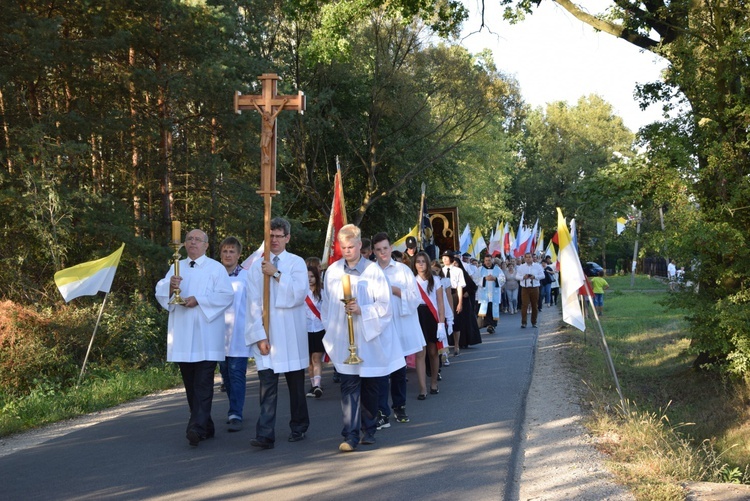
x: 679, y: 424
x: 97, y: 391
x: 641, y: 283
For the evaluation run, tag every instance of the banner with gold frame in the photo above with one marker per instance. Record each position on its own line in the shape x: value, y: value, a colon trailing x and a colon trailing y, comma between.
x: 444, y: 222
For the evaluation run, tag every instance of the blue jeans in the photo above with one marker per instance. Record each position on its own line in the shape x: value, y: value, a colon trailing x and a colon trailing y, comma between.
x: 512, y: 298
x: 397, y: 381
x: 359, y: 405
x: 265, y: 429
x: 233, y: 373
x: 547, y: 293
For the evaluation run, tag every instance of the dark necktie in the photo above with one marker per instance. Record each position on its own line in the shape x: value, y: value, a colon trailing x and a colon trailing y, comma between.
x: 192, y: 264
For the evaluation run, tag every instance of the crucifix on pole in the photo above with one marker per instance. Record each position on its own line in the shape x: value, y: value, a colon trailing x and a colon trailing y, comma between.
x: 269, y: 104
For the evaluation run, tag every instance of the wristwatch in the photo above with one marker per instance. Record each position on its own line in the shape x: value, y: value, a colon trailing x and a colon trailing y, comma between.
x: 277, y: 274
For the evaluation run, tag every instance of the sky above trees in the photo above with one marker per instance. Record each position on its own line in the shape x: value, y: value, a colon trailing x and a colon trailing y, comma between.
x: 555, y: 57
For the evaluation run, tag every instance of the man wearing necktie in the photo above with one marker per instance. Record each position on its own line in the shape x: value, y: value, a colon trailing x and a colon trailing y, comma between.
x: 283, y: 349
x: 195, y: 331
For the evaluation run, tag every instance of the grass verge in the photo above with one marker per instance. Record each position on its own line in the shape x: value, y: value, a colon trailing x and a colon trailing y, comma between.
x: 679, y: 424
x: 99, y: 390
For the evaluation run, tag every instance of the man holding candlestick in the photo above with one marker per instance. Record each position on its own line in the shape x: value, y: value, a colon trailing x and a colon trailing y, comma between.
x: 195, y: 331
x: 368, y: 301
x: 284, y: 348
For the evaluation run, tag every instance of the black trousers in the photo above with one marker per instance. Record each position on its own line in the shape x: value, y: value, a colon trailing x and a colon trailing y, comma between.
x: 265, y: 429
x: 198, y: 378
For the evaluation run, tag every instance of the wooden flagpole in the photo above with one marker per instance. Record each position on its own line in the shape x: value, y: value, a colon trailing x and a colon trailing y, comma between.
x: 91, y: 343
x: 420, y: 230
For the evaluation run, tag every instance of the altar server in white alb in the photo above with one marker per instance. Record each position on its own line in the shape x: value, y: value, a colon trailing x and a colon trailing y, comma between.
x: 234, y: 368
x: 491, y: 281
x: 284, y: 349
x: 405, y: 300
x: 195, y: 331
x: 376, y: 341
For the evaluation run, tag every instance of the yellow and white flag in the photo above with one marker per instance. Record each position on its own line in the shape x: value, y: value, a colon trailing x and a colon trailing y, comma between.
x: 86, y: 279
x: 621, y: 222
x: 477, y: 244
x: 551, y: 253
x: 400, y: 244
x: 571, y: 276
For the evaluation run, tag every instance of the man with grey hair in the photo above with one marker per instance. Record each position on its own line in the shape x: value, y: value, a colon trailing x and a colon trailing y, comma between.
x: 195, y: 331
x: 283, y: 348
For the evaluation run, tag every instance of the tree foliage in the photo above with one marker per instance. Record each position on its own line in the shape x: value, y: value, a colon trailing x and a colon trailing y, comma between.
x: 115, y: 120
x: 706, y: 43
x: 576, y: 158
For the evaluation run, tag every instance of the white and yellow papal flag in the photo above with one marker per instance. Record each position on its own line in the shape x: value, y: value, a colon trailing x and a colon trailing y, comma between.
x: 400, y: 244
x: 87, y: 279
x: 571, y: 276
x: 621, y: 222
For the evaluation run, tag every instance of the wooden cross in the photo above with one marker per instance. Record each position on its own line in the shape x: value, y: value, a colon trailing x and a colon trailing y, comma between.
x: 269, y: 104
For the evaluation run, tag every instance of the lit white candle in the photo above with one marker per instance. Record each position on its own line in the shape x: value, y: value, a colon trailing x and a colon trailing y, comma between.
x: 347, y: 284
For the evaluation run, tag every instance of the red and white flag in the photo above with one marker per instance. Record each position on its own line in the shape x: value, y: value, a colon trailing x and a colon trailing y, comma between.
x: 496, y: 240
x: 336, y: 221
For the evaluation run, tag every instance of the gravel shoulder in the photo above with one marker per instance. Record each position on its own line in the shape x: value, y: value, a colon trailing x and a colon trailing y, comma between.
x: 559, y: 460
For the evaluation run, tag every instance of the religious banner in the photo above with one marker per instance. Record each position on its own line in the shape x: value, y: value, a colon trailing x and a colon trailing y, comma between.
x: 444, y: 221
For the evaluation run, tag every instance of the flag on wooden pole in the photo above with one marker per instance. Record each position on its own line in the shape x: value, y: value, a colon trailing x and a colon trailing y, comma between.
x: 87, y: 279
x: 571, y: 276
x: 477, y: 244
x: 539, y: 247
x: 336, y: 221
x: 519, y: 235
x: 510, y: 242
x: 496, y: 240
x: 621, y: 223
x: 400, y: 244
x: 553, y: 254
x: 464, y: 242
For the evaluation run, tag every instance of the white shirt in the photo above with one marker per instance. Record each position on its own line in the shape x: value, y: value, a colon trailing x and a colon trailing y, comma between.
x: 456, y: 276
x: 197, y: 334
x: 377, y: 343
x: 405, y: 316
x: 234, y: 318
x: 433, y: 294
x: 313, y: 322
x: 529, y: 269
x: 288, y: 336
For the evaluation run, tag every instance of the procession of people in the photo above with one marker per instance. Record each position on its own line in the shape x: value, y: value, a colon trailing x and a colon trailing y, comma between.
x: 369, y: 313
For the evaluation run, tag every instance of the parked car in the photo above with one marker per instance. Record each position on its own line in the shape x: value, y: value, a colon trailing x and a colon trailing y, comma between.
x: 592, y: 269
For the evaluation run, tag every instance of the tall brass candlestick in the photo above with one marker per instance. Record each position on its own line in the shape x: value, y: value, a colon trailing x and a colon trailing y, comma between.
x: 176, y: 244
x: 353, y: 359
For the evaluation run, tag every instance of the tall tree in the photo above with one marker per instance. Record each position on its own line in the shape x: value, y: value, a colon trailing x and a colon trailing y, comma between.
x: 705, y: 42
x: 400, y: 109
x: 566, y: 155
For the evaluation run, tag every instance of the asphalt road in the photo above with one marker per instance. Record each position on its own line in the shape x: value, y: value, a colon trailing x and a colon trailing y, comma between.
x: 460, y: 444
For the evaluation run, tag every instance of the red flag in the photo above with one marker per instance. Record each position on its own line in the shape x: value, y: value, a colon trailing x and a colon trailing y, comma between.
x: 336, y: 221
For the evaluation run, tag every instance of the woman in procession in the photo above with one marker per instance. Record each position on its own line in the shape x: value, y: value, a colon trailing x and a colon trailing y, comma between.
x: 315, y: 331
x: 431, y: 316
